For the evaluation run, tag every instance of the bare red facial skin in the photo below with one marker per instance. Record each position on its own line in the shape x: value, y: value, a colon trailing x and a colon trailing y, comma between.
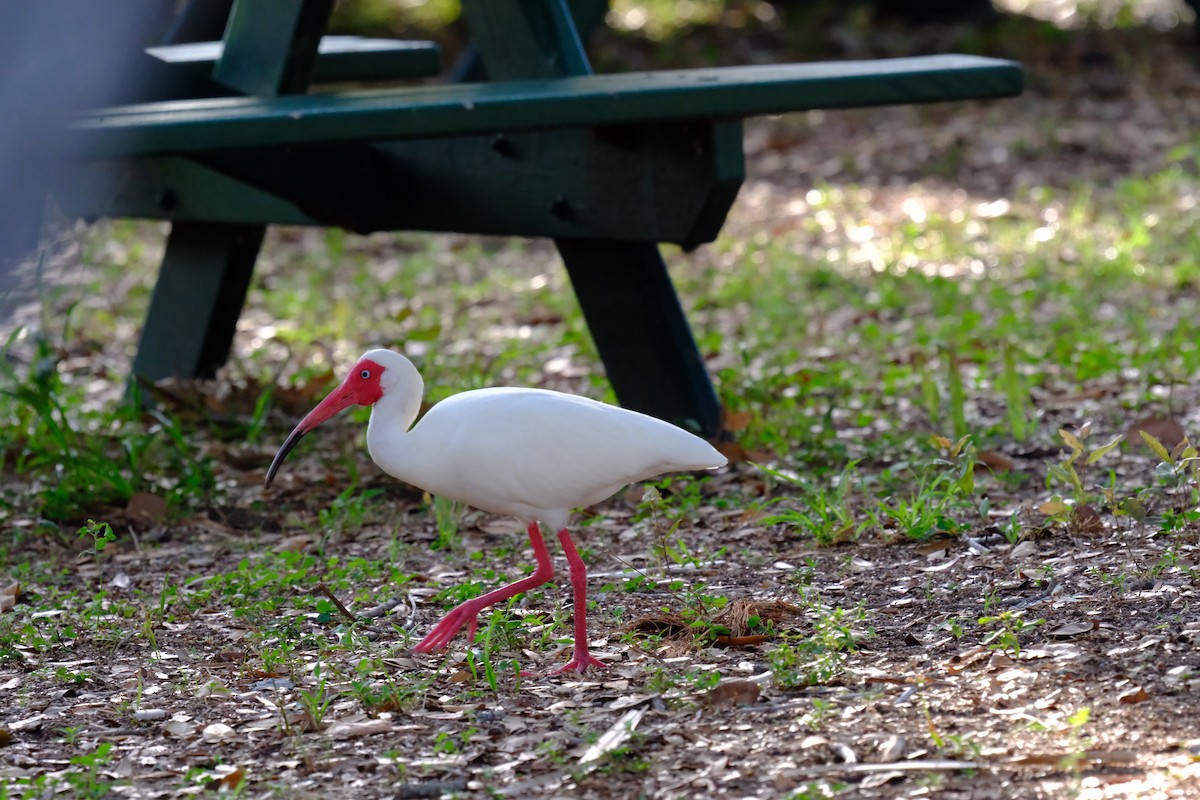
x: 361, y: 387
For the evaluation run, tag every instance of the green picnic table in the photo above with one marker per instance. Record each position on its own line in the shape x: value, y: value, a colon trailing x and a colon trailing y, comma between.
x: 608, y: 166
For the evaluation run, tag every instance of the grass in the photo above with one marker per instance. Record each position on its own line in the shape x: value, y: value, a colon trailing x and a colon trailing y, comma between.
x: 972, y: 310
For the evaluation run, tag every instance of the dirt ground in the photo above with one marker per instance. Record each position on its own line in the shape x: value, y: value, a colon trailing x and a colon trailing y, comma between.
x: 1102, y: 700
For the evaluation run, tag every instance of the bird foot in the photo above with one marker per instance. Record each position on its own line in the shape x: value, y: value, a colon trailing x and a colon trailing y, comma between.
x: 444, y: 632
x: 581, y: 662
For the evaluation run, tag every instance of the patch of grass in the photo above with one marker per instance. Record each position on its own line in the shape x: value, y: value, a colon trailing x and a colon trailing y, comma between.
x: 79, y: 458
x: 819, y: 658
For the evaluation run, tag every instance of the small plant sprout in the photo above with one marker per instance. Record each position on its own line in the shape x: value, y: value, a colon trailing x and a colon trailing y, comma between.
x: 1079, y: 514
x: 100, y: 534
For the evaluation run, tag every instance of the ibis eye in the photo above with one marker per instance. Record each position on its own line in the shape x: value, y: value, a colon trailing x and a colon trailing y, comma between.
x: 365, y: 374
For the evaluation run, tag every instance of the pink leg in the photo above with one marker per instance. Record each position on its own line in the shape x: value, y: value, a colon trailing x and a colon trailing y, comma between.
x: 468, y: 613
x: 582, y: 659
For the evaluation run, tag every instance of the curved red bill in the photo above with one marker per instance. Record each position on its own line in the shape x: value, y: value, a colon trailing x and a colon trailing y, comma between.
x: 338, y: 399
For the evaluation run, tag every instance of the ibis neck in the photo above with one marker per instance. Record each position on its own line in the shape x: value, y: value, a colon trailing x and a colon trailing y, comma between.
x: 391, y: 417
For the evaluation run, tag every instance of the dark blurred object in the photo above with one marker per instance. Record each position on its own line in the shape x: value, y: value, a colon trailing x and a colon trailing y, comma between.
x: 56, y: 57
x: 936, y: 10
x: 1195, y: 6
x: 920, y: 10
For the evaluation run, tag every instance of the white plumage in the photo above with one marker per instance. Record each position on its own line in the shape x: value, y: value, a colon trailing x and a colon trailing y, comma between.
x: 531, y: 453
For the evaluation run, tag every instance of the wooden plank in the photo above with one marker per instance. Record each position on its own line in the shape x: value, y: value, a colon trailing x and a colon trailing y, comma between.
x: 657, y: 183
x: 339, y: 58
x: 196, y: 126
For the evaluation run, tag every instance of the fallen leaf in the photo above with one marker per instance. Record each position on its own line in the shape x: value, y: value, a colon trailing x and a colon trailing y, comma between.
x: 177, y: 729
x: 9, y: 595
x: 1052, y: 508
x: 734, y: 421
x: 994, y: 461
x: 292, y: 544
x: 1067, y: 757
x: 615, y: 736
x: 6, y: 738
x: 732, y: 693
x: 738, y: 453
x: 892, y: 748
x: 1024, y: 548
x: 145, y: 505
x: 150, y: 714
x: 1138, y: 695
x: 230, y: 781
x: 739, y: 641
x: 745, y: 618
x: 354, y: 730
x: 1086, y: 520
x: 1074, y: 629
x: 217, y: 732
x: 1167, y: 431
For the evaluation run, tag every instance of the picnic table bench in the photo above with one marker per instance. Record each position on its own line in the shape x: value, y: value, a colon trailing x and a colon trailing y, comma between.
x: 609, y: 166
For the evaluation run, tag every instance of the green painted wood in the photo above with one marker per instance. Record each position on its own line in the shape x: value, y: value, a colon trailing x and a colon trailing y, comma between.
x: 339, y: 58
x: 623, y: 287
x: 588, y: 101
x: 656, y: 183
x: 206, y: 270
x: 526, y: 39
x: 641, y: 332
x: 175, y: 189
x: 271, y: 48
x: 197, y: 299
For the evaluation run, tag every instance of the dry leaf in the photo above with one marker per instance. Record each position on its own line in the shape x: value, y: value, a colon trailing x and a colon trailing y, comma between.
x: 737, y: 615
x: 177, y: 729
x: 1074, y: 629
x: 734, y: 421
x: 1138, y: 695
x: 217, y: 732
x: 1167, y: 431
x: 615, y: 736
x: 1097, y: 756
x: 150, y: 714
x: 292, y: 544
x: 732, y: 693
x: 230, y: 781
x: 737, y: 453
x: 355, y: 730
x: 739, y: 641
x: 1052, y: 508
x: 995, y: 461
x: 1086, y: 520
x: 9, y: 595
x: 145, y: 505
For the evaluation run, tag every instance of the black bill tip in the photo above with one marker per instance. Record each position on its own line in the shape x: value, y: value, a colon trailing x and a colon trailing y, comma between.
x: 293, y: 437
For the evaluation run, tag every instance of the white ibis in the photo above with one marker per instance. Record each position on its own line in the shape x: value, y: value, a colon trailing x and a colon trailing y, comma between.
x: 531, y: 453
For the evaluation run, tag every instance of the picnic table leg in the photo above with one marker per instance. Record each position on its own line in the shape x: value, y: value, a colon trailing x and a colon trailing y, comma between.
x: 269, y: 49
x: 641, y: 332
x: 199, y: 295
x: 623, y: 287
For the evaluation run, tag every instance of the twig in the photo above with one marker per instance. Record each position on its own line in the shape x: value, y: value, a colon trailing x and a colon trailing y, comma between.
x: 431, y: 788
x: 333, y: 599
x: 381, y: 609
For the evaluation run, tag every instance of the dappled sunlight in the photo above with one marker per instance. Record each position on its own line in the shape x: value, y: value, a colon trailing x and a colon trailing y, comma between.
x: 1159, y: 14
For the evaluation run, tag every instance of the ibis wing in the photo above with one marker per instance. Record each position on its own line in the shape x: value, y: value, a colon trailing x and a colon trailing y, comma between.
x: 517, y: 450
